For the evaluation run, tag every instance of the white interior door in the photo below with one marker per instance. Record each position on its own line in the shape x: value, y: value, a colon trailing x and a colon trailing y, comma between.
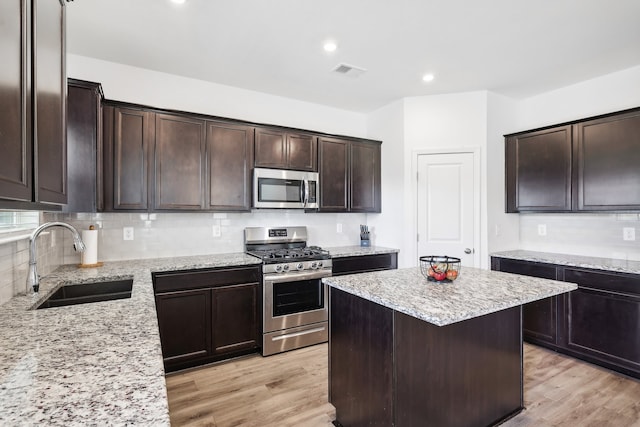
x: 446, y: 206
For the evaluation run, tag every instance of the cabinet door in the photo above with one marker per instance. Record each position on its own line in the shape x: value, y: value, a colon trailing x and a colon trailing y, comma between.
x: 84, y: 115
x: 131, y: 137
x: 50, y: 100
x: 540, y: 320
x: 608, y: 162
x: 334, y: 174
x: 235, y: 318
x: 604, y: 318
x: 364, y: 192
x: 302, y: 151
x: 16, y: 158
x: 184, y: 319
x: 229, y: 156
x: 179, y: 163
x: 538, y: 171
x: 270, y: 148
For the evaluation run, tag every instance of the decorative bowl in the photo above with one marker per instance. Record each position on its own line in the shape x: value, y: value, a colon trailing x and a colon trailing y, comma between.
x: 440, y: 268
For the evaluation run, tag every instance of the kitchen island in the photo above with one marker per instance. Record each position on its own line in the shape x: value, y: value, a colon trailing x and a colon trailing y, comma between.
x: 407, y: 352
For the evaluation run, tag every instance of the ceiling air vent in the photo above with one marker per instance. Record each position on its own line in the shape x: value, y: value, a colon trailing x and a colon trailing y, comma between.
x: 349, y: 70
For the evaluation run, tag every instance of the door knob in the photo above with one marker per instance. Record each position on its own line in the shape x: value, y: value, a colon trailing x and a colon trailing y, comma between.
x: 468, y: 250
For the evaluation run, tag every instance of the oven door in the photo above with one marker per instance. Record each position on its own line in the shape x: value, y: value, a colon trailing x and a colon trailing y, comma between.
x: 294, y: 299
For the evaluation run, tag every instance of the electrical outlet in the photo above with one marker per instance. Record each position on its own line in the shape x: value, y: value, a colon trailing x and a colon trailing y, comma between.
x: 629, y: 233
x: 127, y: 233
x: 542, y: 229
x: 216, y: 230
x: 339, y: 227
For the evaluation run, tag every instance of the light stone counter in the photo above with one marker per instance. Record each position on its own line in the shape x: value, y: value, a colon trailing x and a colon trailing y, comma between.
x: 475, y: 293
x: 90, y: 364
x: 607, y: 264
x: 355, y: 250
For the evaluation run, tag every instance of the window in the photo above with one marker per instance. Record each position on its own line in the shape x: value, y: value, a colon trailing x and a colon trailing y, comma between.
x: 18, y: 221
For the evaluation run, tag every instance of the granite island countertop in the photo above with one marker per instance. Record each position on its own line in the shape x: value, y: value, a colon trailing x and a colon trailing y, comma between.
x: 580, y: 261
x: 90, y: 364
x: 474, y: 293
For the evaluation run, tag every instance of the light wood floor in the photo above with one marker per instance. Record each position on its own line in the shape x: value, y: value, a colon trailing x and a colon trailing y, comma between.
x: 290, y: 389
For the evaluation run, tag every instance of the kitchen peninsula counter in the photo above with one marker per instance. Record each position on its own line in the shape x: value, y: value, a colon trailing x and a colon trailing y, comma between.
x: 90, y: 364
x: 446, y: 354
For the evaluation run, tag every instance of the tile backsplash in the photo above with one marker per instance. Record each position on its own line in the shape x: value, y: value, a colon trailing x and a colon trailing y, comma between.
x: 599, y: 235
x: 175, y: 234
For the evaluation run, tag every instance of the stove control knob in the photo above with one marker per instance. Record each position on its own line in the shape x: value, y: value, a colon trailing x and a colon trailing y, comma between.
x: 319, y: 264
x: 285, y: 267
x: 314, y: 265
x: 278, y: 268
x: 300, y: 266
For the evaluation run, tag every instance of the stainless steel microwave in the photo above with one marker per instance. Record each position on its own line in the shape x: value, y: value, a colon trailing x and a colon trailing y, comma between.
x: 285, y: 189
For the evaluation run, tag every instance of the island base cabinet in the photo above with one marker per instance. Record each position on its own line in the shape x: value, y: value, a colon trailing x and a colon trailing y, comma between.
x: 360, y: 361
x: 390, y: 369
x: 464, y: 374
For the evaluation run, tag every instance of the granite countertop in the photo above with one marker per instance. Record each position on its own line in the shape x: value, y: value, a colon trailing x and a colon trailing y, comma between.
x: 355, y: 250
x: 90, y: 364
x: 474, y: 293
x: 607, y: 264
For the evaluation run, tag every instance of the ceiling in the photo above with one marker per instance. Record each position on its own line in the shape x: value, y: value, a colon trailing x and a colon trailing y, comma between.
x: 517, y: 48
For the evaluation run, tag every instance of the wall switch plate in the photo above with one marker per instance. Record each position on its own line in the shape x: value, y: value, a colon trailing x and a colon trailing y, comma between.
x: 127, y: 233
x: 629, y: 233
x: 339, y: 228
x: 216, y: 230
x: 542, y: 229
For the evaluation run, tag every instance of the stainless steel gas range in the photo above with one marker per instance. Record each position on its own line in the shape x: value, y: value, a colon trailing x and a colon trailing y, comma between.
x: 294, y: 299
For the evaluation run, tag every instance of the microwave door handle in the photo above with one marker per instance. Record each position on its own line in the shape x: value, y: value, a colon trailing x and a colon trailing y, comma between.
x: 306, y: 192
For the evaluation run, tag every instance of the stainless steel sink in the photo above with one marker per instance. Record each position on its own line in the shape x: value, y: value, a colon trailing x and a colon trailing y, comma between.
x: 89, y: 292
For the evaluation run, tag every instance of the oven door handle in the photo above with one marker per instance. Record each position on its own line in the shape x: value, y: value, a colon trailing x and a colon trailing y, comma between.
x: 292, y: 277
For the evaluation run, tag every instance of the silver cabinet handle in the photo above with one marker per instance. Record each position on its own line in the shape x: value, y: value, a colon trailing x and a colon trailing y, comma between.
x: 468, y: 251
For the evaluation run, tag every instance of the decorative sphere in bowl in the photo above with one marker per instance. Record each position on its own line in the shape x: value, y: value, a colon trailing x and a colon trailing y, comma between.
x: 440, y: 268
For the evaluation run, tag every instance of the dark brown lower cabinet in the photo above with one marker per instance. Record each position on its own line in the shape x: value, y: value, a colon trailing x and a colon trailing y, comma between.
x: 387, y: 368
x: 207, y: 315
x: 599, y: 322
x: 540, y: 322
x: 364, y: 263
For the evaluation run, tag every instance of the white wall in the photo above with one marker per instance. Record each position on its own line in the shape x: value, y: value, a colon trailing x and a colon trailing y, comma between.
x: 387, y: 124
x: 502, y: 229
x: 136, y: 85
x: 581, y: 234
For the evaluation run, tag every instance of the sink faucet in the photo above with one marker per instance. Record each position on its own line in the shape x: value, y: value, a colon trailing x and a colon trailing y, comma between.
x: 33, y: 279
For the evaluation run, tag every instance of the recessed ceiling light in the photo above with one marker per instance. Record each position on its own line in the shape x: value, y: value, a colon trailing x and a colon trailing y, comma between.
x: 178, y: 1
x: 428, y: 77
x: 330, y: 46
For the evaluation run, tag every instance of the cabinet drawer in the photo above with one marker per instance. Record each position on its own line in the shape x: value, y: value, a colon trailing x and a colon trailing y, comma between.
x: 209, y: 278
x: 611, y: 282
x: 362, y: 264
x: 526, y: 268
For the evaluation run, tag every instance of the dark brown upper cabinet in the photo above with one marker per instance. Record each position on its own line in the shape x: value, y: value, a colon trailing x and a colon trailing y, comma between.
x: 349, y: 175
x: 587, y: 165
x: 608, y: 163
x: 179, y: 163
x: 334, y: 174
x: 276, y: 148
x: 33, y: 103
x: 84, y: 146
x: 129, y: 134
x: 364, y: 192
x: 229, y: 160
x: 538, y: 169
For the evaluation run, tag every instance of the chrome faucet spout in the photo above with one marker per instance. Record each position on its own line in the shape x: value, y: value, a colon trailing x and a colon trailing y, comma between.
x: 33, y: 279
